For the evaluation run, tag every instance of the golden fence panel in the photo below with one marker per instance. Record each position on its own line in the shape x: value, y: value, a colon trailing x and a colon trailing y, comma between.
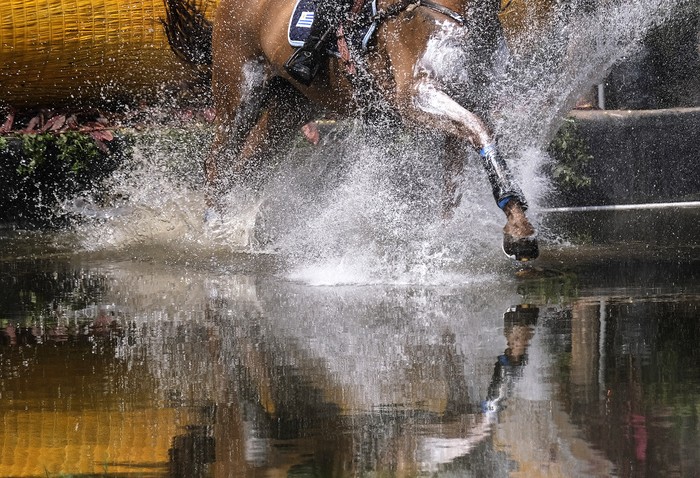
x: 62, y: 443
x: 55, y: 52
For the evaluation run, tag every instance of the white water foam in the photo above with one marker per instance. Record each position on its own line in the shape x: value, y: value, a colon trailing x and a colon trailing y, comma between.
x: 378, y: 219
x: 154, y: 200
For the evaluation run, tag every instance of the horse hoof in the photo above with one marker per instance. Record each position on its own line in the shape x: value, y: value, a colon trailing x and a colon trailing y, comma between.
x: 521, y: 249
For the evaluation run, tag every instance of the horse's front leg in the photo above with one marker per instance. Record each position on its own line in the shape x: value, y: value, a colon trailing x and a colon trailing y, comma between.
x: 433, y: 107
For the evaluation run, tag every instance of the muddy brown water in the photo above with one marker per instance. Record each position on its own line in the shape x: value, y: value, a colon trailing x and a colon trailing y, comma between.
x: 125, y: 364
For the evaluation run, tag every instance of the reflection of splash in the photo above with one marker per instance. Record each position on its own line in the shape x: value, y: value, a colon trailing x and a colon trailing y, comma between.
x: 367, y: 347
x: 386, y: 367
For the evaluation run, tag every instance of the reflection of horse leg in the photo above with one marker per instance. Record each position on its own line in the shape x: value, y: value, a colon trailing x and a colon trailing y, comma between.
x: 239, y: 106
x: 519, y: 328
x: 436, y: 109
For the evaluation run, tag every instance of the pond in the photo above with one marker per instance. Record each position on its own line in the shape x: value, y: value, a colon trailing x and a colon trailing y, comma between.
x: 150, y: 362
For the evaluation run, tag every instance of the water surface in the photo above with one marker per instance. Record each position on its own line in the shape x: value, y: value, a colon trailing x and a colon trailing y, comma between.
x: 157, y: 363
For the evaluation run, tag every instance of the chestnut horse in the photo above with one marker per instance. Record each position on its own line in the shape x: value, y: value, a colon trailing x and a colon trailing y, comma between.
x: 259, y: 107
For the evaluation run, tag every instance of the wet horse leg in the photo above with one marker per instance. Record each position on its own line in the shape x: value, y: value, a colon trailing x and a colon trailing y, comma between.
x: 286, y: 110
x: 282, y: 112
x: 433, y: 107
x: 266, y: 115
x: 239, y: 104
x: 453, y: 177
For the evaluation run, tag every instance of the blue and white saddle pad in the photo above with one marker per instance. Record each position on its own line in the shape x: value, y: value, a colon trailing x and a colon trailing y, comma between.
x: 303, y: 16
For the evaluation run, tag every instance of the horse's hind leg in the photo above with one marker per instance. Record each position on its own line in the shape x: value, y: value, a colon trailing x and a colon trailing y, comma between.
x: 239, y: 103
x: 273, y: 135
x: 286, y: 110
x: 281, y: 113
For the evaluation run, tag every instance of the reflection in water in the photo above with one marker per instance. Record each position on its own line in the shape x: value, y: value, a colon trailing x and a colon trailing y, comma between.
x: 518, y: 329
x: 136, y: 369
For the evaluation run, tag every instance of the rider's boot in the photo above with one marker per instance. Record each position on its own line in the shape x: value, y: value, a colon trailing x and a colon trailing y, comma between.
x: 305, y: 62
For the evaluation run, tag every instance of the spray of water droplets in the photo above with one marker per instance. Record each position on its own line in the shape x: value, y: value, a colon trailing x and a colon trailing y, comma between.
x: 365, y: 205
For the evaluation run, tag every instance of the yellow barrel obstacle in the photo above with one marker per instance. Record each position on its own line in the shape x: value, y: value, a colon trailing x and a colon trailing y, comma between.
x: 56, y: 52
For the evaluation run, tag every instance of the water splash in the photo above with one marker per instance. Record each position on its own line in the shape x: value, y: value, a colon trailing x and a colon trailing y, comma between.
x: 139, y: 205
x: 374, y: 215
x: 538, y: 84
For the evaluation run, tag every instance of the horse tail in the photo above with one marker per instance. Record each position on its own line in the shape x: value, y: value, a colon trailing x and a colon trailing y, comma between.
x: 189, y: 31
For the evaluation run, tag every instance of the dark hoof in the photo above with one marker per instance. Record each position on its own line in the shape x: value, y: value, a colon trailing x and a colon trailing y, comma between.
x: 521, y: 249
